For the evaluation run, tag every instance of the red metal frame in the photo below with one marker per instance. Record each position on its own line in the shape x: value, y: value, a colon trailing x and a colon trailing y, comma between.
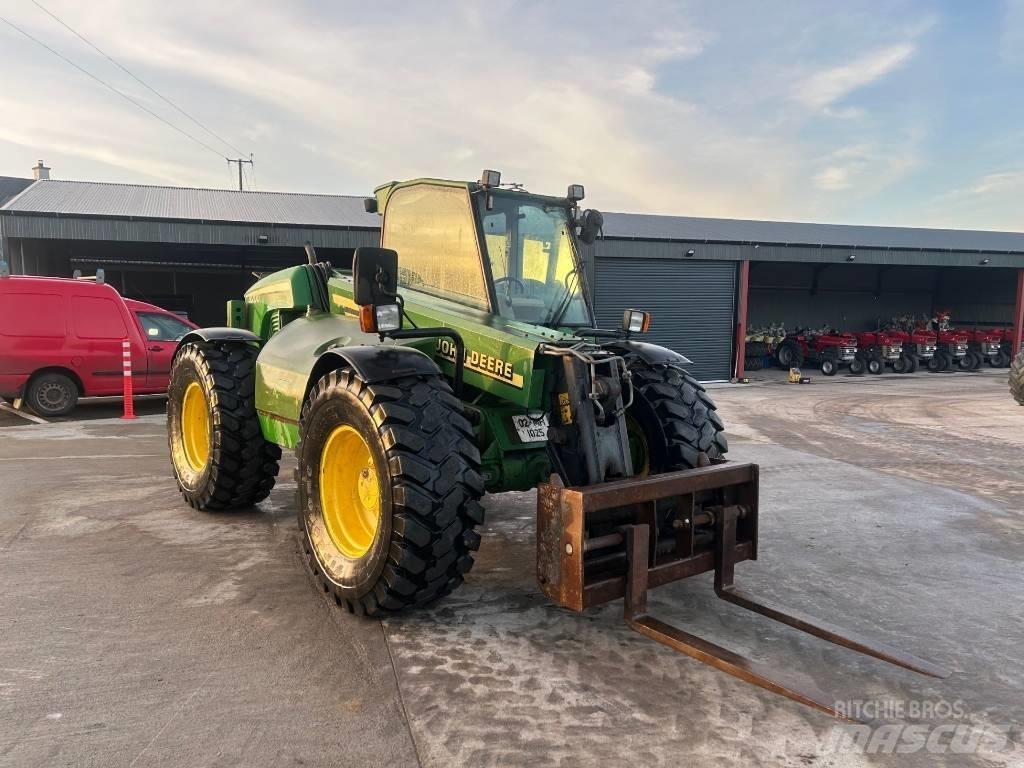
x: 741, y: 316
x: 1018, y: 313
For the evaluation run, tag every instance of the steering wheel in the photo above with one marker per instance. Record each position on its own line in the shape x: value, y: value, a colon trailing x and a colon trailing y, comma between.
x: 507, y: 279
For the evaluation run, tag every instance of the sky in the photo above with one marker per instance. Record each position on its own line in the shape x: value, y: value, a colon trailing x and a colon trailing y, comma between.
x: 902, y: 113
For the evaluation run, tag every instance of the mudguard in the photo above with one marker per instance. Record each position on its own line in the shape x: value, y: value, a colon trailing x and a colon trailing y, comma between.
x: 649, y: 353
x: 217, y: 334
x: 374, y: 364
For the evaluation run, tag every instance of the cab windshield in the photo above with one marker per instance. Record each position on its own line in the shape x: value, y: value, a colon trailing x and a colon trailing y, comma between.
x: 533, y: 261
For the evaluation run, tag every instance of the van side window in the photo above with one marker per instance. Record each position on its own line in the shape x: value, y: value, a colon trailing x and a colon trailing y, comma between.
x: 97, y: 317
x: 433, y: 230
x: 39, y: 315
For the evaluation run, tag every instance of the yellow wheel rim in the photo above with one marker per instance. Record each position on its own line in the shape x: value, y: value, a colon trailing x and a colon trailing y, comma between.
x: 195, y: 427
x: 349, y: 492
x: 639, y: 451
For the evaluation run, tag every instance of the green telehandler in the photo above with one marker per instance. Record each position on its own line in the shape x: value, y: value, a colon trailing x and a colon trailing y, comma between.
x: 461, y: 357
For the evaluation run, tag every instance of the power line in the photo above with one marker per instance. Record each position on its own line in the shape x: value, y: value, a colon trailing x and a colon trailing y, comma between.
x: 131, y: 74
x: 105, y: 84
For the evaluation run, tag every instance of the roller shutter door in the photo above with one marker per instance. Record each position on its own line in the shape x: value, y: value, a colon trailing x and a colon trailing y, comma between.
x: 692, y: 304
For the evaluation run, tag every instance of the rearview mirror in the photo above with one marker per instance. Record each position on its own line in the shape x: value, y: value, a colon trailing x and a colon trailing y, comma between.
x: 591, y: 224
x: 374, y: 276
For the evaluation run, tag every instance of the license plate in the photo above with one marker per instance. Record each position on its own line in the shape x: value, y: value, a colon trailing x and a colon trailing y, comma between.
x: 531, y: 430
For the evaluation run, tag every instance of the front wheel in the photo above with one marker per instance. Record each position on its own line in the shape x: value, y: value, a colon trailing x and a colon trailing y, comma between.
x: 900, y: 364
x: 857, y: 366
x: 874, y: 366
x: 828, y: 367
x: 220, y: 458
x: 389, y: 490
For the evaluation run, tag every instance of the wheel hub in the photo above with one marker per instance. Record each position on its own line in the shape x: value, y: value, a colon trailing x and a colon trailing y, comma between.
x: 195, y: 427
x: 349, y: 491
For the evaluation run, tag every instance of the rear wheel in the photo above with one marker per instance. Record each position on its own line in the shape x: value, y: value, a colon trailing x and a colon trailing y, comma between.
x: 1017, y: 379
x: 789, y: 355
x: 51, y: 394
x: 679, y: 424
x: 220, y: 458
x: 753, y: 364
x: 389, y: 490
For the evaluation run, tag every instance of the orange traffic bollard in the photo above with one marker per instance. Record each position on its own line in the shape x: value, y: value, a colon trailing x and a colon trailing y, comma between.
x: 126, y: 354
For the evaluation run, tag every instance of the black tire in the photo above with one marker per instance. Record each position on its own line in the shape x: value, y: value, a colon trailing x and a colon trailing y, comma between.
x: 934, y: 363
x: 51, y: 394
x: 1017, y: 379
x: 857, y: 366
x: 901, y: 364
x: 979, y: 360
x: 429, y: 483
x: 999, y: 360
x: 829, y: 366
x: 241, y: 466
x: 874, y: 366
x: 966, y: 363
x: 943, y: 361
x: 753, y: 364
x: 912, y: 364
x: 789, y: 355
x: 678, y: 418
x: 755, y: 349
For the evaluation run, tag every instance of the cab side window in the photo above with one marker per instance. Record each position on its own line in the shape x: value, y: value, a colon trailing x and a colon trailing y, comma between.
x: 433, y: 230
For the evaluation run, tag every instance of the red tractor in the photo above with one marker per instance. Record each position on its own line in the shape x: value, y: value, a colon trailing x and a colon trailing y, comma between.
x: 881, y: 348
x: 982, y: 346
x: 950, y: 344
x: 1007, y: 349
x: 827, y: 348
x: 918, y: 347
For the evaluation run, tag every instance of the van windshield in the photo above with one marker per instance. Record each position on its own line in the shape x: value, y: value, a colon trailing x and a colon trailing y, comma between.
x: 537, y: 277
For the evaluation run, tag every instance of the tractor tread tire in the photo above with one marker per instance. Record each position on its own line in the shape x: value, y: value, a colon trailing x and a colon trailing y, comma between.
x: 436, y: 487
x: 1017, y: 379
x: 244, y: 465
x: 686, y: 412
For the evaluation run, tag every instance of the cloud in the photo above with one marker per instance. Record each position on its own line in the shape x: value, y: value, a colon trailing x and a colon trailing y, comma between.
x: 866, y: 168
x: 823, y: 89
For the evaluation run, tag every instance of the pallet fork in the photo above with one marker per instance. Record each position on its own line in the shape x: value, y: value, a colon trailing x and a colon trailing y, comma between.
x: 601, y: 542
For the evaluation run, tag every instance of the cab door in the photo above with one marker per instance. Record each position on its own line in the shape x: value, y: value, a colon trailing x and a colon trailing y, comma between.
x: 160, y: 334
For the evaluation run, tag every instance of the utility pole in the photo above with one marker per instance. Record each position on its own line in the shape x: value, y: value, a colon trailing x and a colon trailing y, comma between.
x: 240, y: 161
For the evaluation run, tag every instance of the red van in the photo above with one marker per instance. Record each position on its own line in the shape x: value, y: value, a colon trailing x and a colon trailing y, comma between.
x: 61, y: 339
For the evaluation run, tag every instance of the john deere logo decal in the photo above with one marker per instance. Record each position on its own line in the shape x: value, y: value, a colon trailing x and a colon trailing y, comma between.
x: 486, y: 365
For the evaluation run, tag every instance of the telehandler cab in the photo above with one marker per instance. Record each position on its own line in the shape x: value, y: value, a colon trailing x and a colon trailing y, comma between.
x: 461, y: 358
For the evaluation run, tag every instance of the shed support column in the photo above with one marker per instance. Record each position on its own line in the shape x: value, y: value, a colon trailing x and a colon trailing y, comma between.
x: 1018, y: 314
x: 741, y: 316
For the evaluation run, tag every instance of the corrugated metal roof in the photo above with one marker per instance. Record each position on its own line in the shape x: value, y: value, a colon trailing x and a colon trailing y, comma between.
x: 11, y: 186
x: 88, y: 198
x: 651, y: 227
x: 98, y: 199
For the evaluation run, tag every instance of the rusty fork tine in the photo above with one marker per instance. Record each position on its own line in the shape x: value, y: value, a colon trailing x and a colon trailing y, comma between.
x: 738, y: 666
x: 832, y: 633
x: 635, y: 614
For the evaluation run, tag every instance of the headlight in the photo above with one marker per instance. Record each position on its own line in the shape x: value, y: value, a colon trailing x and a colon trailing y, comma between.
x: 635, y: 321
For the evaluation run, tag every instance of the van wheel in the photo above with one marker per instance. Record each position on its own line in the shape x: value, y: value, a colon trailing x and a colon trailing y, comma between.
x: 51, y: 394
x: 220, y: 458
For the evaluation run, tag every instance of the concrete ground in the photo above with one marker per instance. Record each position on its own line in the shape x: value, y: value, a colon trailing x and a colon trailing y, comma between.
x: 135, y: 631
